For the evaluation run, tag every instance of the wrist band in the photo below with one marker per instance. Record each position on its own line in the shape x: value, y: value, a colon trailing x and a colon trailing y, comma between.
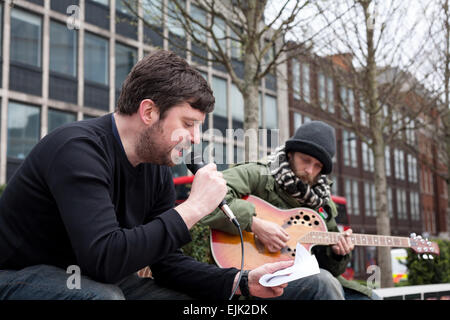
x: 243, y: 285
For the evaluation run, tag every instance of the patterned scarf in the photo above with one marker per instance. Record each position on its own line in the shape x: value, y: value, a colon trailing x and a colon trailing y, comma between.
x: 313, y: 197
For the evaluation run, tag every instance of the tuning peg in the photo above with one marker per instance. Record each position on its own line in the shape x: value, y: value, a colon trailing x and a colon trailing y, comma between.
x: 419, y: 237
x: 425, y: 257
x: 412, y: 235
x: 418, y: 257
x: 430, y: 257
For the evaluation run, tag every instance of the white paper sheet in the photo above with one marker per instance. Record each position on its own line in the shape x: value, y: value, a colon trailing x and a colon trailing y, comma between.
x: 304, y: 265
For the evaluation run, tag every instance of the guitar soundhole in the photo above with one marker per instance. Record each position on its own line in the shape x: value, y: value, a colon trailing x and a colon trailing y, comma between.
x: 304, y: 218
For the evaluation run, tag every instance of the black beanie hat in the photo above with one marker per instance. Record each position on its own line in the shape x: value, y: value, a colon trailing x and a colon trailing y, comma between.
x: 316, y: 139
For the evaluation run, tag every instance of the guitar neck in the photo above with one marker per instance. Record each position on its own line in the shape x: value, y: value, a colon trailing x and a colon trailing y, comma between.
x: 328, y: 238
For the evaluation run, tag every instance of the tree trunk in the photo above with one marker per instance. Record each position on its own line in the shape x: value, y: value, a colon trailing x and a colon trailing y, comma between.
x: 376, y: 125
x: 383, y: 223
x: 251, y: 122
x: 250, y: 91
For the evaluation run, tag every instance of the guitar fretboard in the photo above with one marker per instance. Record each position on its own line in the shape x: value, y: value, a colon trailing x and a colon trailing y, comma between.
x: 327, y: 238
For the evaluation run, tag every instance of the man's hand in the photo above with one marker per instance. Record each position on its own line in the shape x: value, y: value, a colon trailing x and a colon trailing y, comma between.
x: 208, y: 190
x: 256, y: 289
x: 344, y: 245
x: 273, y: 236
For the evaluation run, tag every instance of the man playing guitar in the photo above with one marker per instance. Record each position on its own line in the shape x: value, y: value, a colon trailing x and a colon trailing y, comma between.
x: 293, y: 176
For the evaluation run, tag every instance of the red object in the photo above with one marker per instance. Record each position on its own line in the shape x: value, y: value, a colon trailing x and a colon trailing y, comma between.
x: 349, y: 274
x: 339, y: 200
x: 183, y: 180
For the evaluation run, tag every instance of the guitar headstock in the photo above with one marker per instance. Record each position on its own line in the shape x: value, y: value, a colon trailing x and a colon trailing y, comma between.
x: 423, y: 247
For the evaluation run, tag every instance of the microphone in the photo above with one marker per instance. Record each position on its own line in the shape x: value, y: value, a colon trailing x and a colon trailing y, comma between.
x: 194, y: 164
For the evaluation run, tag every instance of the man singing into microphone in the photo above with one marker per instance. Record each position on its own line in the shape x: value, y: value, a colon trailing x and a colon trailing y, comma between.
x: 99, y: 195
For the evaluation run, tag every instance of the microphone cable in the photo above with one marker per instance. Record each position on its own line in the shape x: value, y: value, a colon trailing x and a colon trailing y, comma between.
x: 236, y: 223
x: 194, y: 163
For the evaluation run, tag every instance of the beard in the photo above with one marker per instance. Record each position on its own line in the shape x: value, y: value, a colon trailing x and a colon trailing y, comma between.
x: 306, y: 178
x: 303, y: 176
x: 151, y: 149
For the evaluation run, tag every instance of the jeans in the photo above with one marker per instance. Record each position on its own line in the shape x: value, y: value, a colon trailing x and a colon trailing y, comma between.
x: 45, y: 282
x: 322, y: 286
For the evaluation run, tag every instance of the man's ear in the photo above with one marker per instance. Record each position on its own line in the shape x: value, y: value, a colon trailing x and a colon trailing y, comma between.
x: 148, y: 111
x: 289, y: 156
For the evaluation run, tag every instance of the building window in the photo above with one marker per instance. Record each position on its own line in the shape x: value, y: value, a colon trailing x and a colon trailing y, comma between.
x: 199, y: 15
x: 397, y: 123
x: 126, y: 58
x: 57, y: 118
x: 237, y: 104
x: 297, y: 120
x: 414, y: 206
x: 103, y: 2
x: 306, y: 83
x: 235, y: 45
x: 219, y: 154
x: 26, y: 36
x: 412, y: 168
x: 219, y: 87
x: 63, y: 49
x: 367, y: 157
x: 330, y: 89
x: 296, y: 78
x: 96, y: 51
x: 410, y: 131
x: 401, y: 204
x: 348, y: 102
x: 173, y: 23
x: 399, y: 159
x: 349, y: 146
x: 1, y: 30
x: 24, y: 128
x: 322, y: 92
x: 369, y: 199
x: 352, y: 196
x: 363, y: 114
x: 152, y: 11
x: 220, y: 32
x: 123, y: 8
x: 271, y: 113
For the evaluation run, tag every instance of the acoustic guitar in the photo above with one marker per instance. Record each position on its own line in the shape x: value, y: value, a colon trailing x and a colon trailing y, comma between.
x: 303, y: 225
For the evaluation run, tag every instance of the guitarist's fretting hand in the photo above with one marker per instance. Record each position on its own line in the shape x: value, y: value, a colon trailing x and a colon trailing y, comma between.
x: 344, y: 245
x: 273, y: 236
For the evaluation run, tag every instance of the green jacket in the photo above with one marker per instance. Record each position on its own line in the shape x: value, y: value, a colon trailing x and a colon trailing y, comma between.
x: 254, y: 178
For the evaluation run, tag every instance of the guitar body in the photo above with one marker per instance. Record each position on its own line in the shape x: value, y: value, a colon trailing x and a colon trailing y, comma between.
x: 226, y: 248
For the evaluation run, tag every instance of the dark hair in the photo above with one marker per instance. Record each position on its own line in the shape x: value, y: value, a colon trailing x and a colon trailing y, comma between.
x: 167, y: 79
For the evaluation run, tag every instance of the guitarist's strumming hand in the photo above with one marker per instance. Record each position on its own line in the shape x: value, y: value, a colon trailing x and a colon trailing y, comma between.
x: 273, y: 236
x: 344, y: 245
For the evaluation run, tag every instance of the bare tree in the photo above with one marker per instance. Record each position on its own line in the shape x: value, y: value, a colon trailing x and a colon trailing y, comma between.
x: 438, y: 17
x: 246, y: 33
x: 382, y: 71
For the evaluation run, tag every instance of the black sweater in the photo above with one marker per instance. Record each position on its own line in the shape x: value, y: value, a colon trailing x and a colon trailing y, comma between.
x: 76, y: 199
